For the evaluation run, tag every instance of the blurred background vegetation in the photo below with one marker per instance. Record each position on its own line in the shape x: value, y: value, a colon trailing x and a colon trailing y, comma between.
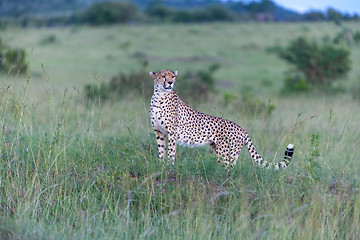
x: 316, y: 62
x: 95, y: 12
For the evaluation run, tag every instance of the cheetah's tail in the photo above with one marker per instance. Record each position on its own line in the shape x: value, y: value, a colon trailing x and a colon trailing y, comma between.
x: 263, y: 163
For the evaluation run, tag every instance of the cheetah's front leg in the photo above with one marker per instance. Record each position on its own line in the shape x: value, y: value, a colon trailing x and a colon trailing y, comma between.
x: 171, y: 148
x: 160, y: 138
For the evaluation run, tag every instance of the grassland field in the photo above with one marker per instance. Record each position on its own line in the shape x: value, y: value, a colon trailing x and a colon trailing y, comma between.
x: 74, y: 169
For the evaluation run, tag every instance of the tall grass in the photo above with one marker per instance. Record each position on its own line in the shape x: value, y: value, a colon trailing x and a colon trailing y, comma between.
x: 65, y: 178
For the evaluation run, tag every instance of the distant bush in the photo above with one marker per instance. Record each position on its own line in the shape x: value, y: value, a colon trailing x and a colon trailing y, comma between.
x: 345, y: 36
x: 296, y: 82
x: 192, y: 86
x: 3, y: 23
x: 136, y: 82
x: 206, y: 14
x: 229, y: 97
x: 105, y: 13
x: 196, y: 86
x: 356, y: 37
x: 97, y: 91
x: 311, y: 165
x: 320, y: 64
x: 251, y: 104
x: 50, y: 39
x: 355, y: 90
x: 12, y: 60
x: 15, y: 61
x: 159, y: 11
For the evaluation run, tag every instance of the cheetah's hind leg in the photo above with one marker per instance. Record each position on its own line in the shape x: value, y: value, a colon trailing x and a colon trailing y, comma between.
x: 213, y: 146
x: 222, y: 157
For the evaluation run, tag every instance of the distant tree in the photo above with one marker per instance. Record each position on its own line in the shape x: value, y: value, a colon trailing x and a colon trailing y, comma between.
x: 219, y: 12
x: 216, y: 12
x: 264, y: 6
x: 262, y: 11
x: 210, y: 14
x: 103, y: 13
x: 159, y: 11
x: 187, y: 16
x: 314, y: 15
x: 334, y: 15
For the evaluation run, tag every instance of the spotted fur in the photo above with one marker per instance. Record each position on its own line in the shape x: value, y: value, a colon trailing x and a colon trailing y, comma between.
x: 181, y: 124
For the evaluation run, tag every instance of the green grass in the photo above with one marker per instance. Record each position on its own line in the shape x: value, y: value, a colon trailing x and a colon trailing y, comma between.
x: 71, y: 169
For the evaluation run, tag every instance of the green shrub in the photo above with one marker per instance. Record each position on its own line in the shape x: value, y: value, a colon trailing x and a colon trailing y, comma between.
x: 12, y: 60
x: 229, y: 97
x: 320, y: 64
x: 253, y: 105
x: 15, y: 61
x: 196, y: 86
x: 296, y: 83
x: 311, y: 165
x: 356, y: 37
x: 50, y: 39
x: 136, y: 82
x: 355, y: 89
x: 248, y: 103
x: 344, y: 36
x: 97, y: 91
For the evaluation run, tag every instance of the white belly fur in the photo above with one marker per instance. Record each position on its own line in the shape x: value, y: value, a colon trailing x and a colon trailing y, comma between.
x: 193, y: 144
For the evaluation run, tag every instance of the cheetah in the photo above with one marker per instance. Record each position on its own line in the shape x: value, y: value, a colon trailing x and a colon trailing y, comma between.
x: 172, y: 118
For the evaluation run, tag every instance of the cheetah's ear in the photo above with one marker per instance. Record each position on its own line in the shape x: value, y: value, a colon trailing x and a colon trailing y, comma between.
x: 152, y: 74
x: 176, y: 73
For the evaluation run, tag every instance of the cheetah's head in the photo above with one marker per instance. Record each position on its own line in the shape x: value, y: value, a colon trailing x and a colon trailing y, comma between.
x: 164, y: 80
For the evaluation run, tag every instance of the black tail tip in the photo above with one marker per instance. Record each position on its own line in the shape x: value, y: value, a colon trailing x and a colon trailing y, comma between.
x: 289, y: 150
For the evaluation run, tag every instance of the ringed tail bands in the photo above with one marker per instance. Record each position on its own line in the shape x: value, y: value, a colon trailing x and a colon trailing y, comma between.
x: 288, y: 154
